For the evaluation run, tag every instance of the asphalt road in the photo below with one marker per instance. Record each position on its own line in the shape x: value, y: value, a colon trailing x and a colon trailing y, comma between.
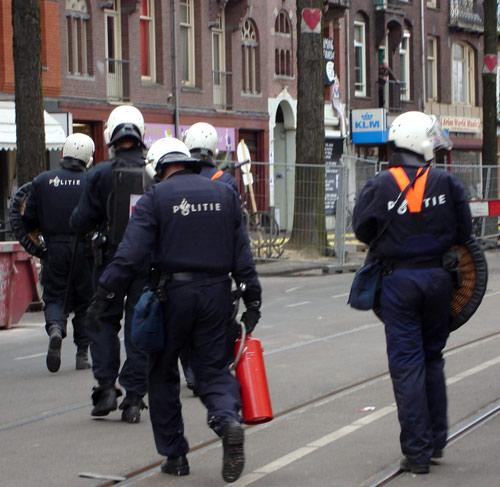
x: 328, y: 430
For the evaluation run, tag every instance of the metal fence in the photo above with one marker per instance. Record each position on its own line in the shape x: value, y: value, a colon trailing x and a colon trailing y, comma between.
x: 308, y: 208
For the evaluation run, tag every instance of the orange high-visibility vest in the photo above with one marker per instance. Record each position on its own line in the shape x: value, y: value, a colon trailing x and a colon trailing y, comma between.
x: 415, y: 195
x: 217, y: 175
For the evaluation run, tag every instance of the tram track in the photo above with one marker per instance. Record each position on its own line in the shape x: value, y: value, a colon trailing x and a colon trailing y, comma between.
x: 460, y: 430
x: 148, y: 470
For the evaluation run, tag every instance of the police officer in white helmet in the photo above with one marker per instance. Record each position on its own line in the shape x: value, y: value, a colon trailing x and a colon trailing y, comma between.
x: 53, y: 196
x: 105, y: 206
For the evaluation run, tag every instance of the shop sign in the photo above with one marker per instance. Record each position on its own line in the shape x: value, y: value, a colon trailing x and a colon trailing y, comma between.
x: 155, y: 131
x: 460, y: 124
x: 329, y: 56
x: 369, y: 126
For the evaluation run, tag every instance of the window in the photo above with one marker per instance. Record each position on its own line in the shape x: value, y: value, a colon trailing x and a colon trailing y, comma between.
x: 250, y: 57
x: 187, y: 42
x: 283, y: 42
x: 219, y: 62
x: 78, y: 26
x: 463, y: 77
x: 147, y: 32
x: 431, y: 3
x: 359, y: 58
x: 404, y: 61
x: 282, y: 24
x: 431, y: 69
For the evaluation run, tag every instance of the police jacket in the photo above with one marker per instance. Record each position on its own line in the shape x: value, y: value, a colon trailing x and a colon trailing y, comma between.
x: 209, y: 171
x: 92, y: 210
x: 414, y: 234
x: 190, y: 224
x: 54, y: 194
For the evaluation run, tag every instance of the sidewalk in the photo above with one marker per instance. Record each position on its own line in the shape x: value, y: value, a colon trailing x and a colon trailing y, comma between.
x: 290, y: 267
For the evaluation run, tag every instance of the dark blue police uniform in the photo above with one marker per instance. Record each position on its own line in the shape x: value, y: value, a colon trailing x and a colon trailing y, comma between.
x: 53, y: 197
x: 193, y: 226
x: 416, y: 293
x: 92, y: 214
x: 208, y: 170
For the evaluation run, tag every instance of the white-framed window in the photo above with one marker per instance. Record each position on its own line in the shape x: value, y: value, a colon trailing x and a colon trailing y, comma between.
x: 147, y: 33
x: 219, y: 61
x: 187, y: 42
x: 284, y: 45
x: 431, y: 3
x: 359, y: 58
x: 250, y: 57
x: 432, y: 68
x: 404, y: 61
x: 463, y: 74
x: 78, y: 27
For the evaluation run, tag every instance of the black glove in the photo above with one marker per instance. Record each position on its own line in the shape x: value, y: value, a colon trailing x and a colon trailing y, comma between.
x: 251, y: 316
x: 100, y: 303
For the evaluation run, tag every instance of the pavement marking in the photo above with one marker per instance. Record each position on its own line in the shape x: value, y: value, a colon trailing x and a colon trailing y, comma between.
x: 496, y: 293
x: 293, y: 305
x: 332, y: 437
x: 30, y: 356
x: 292, y: 289
x: 343, y: 295
x: 321, y: 339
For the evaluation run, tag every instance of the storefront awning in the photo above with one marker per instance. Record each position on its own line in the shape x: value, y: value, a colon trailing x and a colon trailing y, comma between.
x: 54, y: 133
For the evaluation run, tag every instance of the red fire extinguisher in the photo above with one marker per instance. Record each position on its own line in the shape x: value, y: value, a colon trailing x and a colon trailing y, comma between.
x: 251, y: 374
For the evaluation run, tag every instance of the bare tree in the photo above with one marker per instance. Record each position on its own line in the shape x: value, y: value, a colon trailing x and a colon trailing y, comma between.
x: 30, y: 128
x: 309, y: 231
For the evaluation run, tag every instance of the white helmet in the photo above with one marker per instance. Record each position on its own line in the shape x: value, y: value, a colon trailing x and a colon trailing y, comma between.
x: 202, y: 137
x: 79, y: 146
x: 168, y: 150
x: 124, y: 121
x: 419, y: 133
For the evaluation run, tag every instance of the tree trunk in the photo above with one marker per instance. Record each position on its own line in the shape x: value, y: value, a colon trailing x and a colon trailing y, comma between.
x: 30, y: 127
x: 309, y: 230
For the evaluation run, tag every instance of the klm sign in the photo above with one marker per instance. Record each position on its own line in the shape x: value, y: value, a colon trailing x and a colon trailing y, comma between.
x: 369, y: 126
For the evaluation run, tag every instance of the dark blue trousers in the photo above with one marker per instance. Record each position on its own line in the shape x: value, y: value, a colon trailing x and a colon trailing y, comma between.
x: 416, y: 310
x: 55, y: 282
x: 105, y: 346
x: 197, y: 315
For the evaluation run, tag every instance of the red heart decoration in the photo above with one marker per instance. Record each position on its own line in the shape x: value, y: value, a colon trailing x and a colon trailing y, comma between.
x: 490, y: 61
x: 311, y: 16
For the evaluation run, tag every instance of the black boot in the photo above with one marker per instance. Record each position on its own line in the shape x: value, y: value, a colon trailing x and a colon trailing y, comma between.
x: 82, y: 358
x: 132, y: 406
x: 178, y: 466
x: 53, y: 359
x: 104, y: 399
x: 233, y: 438
x: 407, y: 465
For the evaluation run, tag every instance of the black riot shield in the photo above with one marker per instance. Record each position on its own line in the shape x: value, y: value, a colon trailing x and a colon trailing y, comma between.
x: 128, y: 186
x: 32, y: 242
x: 472, y: 279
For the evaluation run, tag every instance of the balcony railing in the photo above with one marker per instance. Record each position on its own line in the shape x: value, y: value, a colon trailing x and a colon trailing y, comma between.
x: 339, y: 3
x: 467, y: 15
x: 222, y: 90
x: 117, y: 79
x: 394, y: 96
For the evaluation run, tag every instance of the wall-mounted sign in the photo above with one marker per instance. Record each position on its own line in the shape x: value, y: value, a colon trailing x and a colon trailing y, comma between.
x: 460, y: 124
x: 369, y: 126
x: 329, y: 56
x: 155, y: 131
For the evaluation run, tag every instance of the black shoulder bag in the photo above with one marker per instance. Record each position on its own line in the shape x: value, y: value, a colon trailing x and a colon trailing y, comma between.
x: 367, y: 280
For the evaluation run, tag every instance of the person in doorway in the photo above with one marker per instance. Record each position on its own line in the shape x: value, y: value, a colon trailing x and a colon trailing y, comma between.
x: 426, y: 211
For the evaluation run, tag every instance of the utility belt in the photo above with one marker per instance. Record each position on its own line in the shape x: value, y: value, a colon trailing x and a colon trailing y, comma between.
x: 61, y: 238
x: 391, y: 265
x: 102, y: 249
